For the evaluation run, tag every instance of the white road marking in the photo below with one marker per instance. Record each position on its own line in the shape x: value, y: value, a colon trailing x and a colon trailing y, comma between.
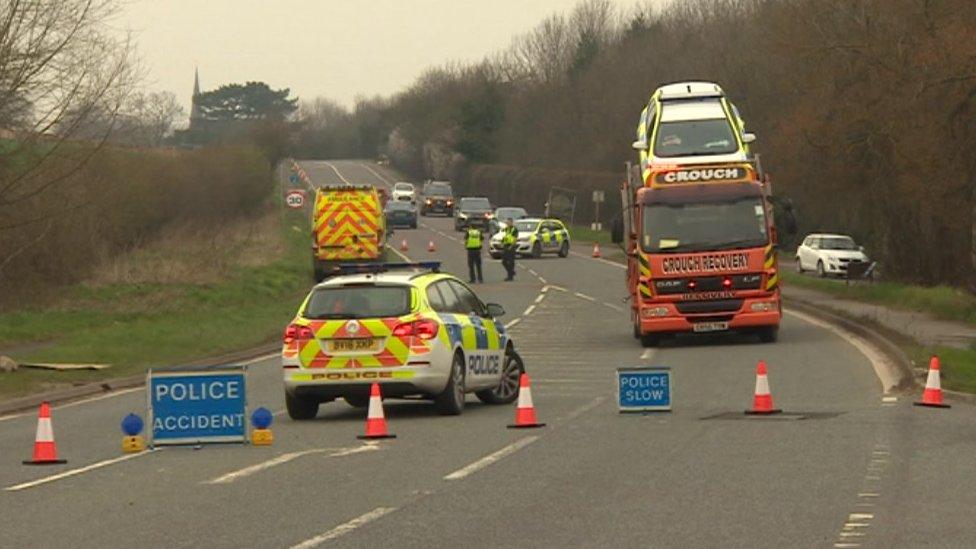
x: 78, y: 471
x: 542, y: 280
x: 513, y: 322
x: 344, y: 528
x: 584, y: 296
x: 648, y: 354
x: 560, y: 288
x: 491, y: 458
x: 601, y: 260
x: 399, y: 253
x: 612, y: 306
x: 285, y: 458
x: 545, y: 289
x: 540, y: 297
x: 882, y: 368
x: 588, y: 381
x: 531, y: 270
x: 342, y: 177
x: 584, y: 408
x: 377, y: 174
x: 528, y: 310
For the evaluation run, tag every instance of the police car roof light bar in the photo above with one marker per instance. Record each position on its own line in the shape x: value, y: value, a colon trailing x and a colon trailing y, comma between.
x: 354, y: 268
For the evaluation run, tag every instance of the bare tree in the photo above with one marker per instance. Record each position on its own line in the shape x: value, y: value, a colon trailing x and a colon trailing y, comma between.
x: 60, y: 68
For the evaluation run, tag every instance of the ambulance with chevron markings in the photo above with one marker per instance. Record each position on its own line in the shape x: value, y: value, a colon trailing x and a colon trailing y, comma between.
x: 412, y: 329
x: 348, y: 224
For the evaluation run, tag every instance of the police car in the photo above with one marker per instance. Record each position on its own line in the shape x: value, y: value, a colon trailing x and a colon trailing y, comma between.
x: 691, y: 123
x: 406, y: 326
x: 535, y: 237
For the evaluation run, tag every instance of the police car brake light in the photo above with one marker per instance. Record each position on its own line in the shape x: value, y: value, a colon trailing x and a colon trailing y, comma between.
x: 424, y: 329
x: 727, y: 283
x: 294, y: 332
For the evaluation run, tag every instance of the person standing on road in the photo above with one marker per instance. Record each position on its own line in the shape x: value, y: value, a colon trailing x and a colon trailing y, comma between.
x: 473, y: 242
x: 509, y: 237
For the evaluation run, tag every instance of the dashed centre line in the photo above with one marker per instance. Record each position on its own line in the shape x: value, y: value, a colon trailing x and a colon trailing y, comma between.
x: 344, y: 528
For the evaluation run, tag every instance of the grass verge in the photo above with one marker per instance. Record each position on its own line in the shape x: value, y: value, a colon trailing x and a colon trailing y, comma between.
x: 136, y: 325
x: 583, y: 233
x: 939, y: 301
x: 958, y: 366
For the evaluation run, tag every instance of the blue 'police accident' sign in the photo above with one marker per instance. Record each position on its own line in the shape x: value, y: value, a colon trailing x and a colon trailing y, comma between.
x: 196, y: 407
x: 643, y: 389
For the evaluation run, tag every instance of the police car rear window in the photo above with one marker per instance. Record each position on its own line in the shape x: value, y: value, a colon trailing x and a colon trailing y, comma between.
x: 365, y: 301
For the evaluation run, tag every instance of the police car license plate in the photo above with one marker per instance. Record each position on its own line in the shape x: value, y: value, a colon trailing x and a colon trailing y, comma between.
x: 711, y: 326
x: 351, y: 344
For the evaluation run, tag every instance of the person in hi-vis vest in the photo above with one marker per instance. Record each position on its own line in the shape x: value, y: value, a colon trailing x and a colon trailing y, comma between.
x: 473, y: 241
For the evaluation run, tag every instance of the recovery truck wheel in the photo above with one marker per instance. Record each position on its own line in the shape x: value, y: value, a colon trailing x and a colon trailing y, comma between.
x: 650, y: 340
x: 769, y: 334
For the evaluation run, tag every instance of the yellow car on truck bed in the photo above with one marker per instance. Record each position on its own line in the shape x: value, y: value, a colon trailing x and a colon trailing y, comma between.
x: 347, y: 225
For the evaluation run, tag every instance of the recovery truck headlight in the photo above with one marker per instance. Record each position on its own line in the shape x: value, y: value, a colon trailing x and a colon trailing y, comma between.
x: 652, y: 312
x: 762, y: 307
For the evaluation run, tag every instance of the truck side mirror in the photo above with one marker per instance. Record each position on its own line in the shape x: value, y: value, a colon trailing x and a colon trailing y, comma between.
x: 639, y: 145
x: 748, y: 138
x: 617, y: 231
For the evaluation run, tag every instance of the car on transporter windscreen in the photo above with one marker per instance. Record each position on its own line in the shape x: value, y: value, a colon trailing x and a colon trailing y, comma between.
x: 415, y: 331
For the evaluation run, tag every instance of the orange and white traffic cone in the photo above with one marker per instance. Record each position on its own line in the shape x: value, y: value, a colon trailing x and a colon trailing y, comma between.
x: 403, y: 245
x: 430, y: 246
x: 45, y: 451
x: 596, y: 249
x: 932, y: 396
x: 525, y: 412
x: 375, y: 420
x: 762, y: 402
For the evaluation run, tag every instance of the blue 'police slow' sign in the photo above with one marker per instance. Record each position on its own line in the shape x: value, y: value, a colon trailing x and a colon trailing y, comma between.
x: 197, y: 407
x: 643, y: 389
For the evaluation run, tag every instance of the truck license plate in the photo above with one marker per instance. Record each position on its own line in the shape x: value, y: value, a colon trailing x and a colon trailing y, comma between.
x: 711, y: 327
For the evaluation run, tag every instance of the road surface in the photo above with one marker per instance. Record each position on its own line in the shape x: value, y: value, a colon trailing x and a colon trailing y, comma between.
x: 864, y: 469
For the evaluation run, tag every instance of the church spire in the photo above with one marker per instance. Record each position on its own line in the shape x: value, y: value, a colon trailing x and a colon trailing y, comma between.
x: 195, y: 109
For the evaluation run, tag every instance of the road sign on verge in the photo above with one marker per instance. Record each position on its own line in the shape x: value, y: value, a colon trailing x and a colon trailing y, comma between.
x: 194, y: 407
x: 643, y: 389
x: 293, y: 178
x: 598, y: 196
x: 295, y: 198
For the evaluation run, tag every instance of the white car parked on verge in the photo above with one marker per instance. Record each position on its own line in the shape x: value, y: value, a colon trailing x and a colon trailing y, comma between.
x: 828, y: 254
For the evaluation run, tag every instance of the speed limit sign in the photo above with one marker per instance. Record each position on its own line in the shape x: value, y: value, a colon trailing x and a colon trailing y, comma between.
x: 295, y: 199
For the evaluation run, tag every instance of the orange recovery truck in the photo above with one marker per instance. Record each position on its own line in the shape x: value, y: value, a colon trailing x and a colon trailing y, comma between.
x: 701, y: 250
x: 348, y: 226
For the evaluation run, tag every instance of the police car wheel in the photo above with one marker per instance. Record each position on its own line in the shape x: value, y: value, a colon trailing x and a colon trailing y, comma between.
x: 508, y: 386
x: 451, y: 401
x: 799, y: 266
x: 821, y: 272
x: 536, y: 250
x: 357, y: 401
x: 564, y: 249
x: 300, y: 408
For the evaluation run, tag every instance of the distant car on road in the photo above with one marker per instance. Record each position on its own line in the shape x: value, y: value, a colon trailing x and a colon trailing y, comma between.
x: 504, y: 213
x: 437, y: 196
x: 535, y: 237
x: 400, y: 213
x: 828, y: 254
x: 473, y: 211
x: 411, y: 329
x: 404, y: 191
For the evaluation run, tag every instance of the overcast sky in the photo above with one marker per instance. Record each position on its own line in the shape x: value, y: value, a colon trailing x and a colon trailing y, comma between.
x: 334, y: 48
